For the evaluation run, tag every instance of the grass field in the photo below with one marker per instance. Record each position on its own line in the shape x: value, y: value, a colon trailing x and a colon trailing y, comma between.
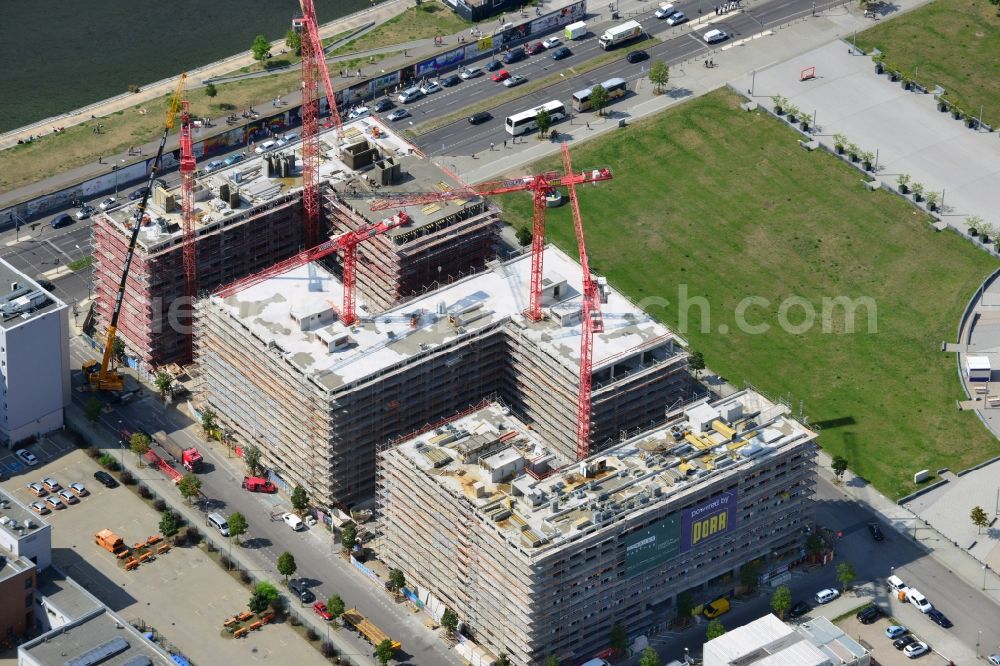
x: 951, y: 43
x: 726, y: 205
x: 427, y: 20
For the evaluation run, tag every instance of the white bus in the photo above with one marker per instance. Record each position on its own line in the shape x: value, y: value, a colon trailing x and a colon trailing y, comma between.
x: 523, y: 122
x: 616, y: 87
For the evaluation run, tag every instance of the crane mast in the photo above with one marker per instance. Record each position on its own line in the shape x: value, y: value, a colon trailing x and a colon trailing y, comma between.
x: 187, y: 167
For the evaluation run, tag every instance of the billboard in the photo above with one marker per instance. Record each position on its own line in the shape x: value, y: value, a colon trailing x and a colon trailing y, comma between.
x: 652, y: 546
x: 709, y: 520
x: 441, y: 62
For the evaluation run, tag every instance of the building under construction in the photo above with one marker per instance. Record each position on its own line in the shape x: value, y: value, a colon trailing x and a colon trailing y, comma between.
x: 283, y: 371
x: 249, y: 215
x: 540, y: 565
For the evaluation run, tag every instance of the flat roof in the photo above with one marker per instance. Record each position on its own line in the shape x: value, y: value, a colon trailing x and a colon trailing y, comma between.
x: 279, y: 311
x: 977, y: 362
x: 13, y: 565
x: 28, y: 300
x: 16, y: 518
x: 257, y: 190
x: 630, y: 478
x: 65, y: 594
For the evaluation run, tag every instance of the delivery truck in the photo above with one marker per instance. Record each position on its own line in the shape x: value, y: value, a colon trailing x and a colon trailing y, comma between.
x: 190, y: 458
x: 576, y: 30
x: 620, y: 34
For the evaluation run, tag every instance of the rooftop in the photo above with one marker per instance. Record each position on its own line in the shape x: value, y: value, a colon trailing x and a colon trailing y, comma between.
x: 257, y: 189
x: 768, y: 641
x: 293, y: 314
x: 12, y: 565
x: 492, y: 462
x: 16, y: 520
x: 21, y: 298
x: 65, y: 595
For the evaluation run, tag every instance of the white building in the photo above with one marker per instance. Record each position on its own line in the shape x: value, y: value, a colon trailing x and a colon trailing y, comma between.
x: 770, y: 642
x: 34, y: 358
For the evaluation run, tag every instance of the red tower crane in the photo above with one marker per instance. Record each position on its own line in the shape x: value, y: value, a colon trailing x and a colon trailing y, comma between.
x: 313, y: 69
x: 346, y: 242
x: 539, y: 185
x: 591, y: 322
x: 187, y: 167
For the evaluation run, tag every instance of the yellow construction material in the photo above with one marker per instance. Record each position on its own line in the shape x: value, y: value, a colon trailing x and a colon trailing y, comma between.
x: 723, y: 429
x: 374, y: 635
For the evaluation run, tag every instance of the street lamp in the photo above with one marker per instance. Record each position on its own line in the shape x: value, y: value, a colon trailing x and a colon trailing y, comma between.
x: 984, y: 576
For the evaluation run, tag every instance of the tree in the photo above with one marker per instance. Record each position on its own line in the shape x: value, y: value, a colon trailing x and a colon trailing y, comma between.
x: 118, y: 350
x: 845, y: 574
x: 168, y: 523
x: 749, y: 574
x: 384, y: 651
x: 598, y: 99
x: 397, y: 580
x: 524, y: 235
x: 300, y: 498
x: 979, y: 518
x: 251, y: 456
x: 649, y: 657
x: 839, y: 466
x: 237, y: 525
x: 208, y: 418
x: 618, y: 639
x: 659, y: 75
x: 502, y: 660
x: 264, y: 595
x: 163, y: 381
x: 139, y: 444
x: 551, y: 661
x: 715, y: 629
x: 697, y: 362
x: 261, y: 48
x: 293, y: 40
x: 211, y: 90
x: 685, y: 604
x: 449, y: 620
x: 286, y: 565
x: 92, y: 409
x: 781, y: 600
x: 348, y: 536
x: 544, y: 122
x: 336, y: 606
x: 189, y: 486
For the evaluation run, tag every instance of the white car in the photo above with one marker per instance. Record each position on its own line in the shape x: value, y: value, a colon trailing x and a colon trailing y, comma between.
x: 108, y: 203
x: 827, y: 595
x: 397, y: 114
x: 471, y: 73
x: 266, y: 146
x: 663, y: 11
x: 26, y: 456
x: 676, y: 18
x: 515, y: 80
x: 359, y: 112
x: 294, y: 522
x: 714, y: 35
x: 552, y: 42
x: 287, y: 139
x: 994, y: 659
x: 430, y: 87
x: 914, y: 650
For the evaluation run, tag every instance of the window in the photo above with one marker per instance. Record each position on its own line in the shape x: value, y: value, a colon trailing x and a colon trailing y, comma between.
x: 29, y: 583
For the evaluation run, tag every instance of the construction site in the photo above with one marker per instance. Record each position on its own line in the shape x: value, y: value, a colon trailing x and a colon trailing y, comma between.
x: 541, y: 563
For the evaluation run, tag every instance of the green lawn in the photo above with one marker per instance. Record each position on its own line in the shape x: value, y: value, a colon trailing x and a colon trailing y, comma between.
x: 429, y: 19
x: 727, y: 205
x: 951, y: 43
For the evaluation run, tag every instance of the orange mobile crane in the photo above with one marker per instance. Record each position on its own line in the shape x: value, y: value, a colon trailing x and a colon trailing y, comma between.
x: 104, y: 376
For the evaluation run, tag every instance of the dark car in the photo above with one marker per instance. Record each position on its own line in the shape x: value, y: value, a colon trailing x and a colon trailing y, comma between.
x: 561, y: 52
x: 480, y: 118
x: 106, y: 479
x: 493, y: 65
x: 45, y: 284
x: 869, y: 614
x: 901, y: 643
x: 450, y: 81
x: 298, y: 587
x: 516, y: 54
x: 383, y: 104
x: 61, y: 220
x: 139, y: 193
x: 535, y: 49
x: 876, y: 531
x: 798, y: 610
x: 939, y: 618
x: 637, y: 56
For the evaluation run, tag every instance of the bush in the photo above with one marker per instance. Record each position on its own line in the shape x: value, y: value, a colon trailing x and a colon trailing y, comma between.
x: 245, y: 577
x: 294, y: 619
x: 107, y: 461
x: 93, y: 452
x: 311, y: 634
x: 225, y: 561
x: 193, y: 534
x: 144, y: 492
x: 159, y: 505
x: 128, y: 478
x: 328, y: 650
x: 181, y: 539
x: 134, y: 88
x: 210, y: 546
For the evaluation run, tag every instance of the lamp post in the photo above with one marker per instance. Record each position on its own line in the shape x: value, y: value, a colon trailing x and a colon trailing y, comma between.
x: 984, y: 577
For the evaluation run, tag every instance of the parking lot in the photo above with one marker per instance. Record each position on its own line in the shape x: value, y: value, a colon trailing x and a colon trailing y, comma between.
x: 183, y: 594
x: 873, y: 637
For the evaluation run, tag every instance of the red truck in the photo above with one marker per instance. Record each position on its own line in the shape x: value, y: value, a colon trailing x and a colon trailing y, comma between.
x: 190, y: 458
x: 256, y: 484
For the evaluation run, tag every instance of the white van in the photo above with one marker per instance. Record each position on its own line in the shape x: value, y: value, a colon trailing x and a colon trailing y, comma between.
x: 294, y: 522
x: 714, y: 35
x: 895, y: 584
x: 219, y: 521
x: 920, y: 601
x: 665, y: 10
x: 410, y: 95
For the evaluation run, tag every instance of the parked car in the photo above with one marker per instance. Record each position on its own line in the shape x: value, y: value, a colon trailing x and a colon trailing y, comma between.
x: 211, y: 166
x: 233, y: 159
x: 901, y: 643
x: 39, y: 508
x: 79, y: 489
x: 85, y: 212
x: 551, y: 42
x: 480, y: 118
x: 502, y: 75
x: 430, y: 87
x: 51, y: 484
x: 895, y: 631
x: 876, y: 531
x: 914, y: 650
x: 27, y: 457
x: 716, y: 608
x: 798, y: 610
x: 869, y: 614
x: 294, y: 522
x: 939, y: 618
x: 106, y: 479
x: 534, y: 49
x: 914, y: 596
x: 515, y: 80
x: 359, y: 112
x: 61, y: 220
x: 715, y: 35
x: 450, y: 81
x: 827, y: 595
x: 637, y: 56
x: 298, y: 587
x: 38, y: 489
x: 471, y: 72
x: 54, y: 502
x: 493, y: 65
x: 664, y: 10
x: 677, y: 18
x: 994, y: 659
x: 320, y: 609
x: 68, y: 497
x: 288, y: 138
x: 270, y: 144
x: 398, y: 114
x: 383, y: 105
x: 561, y: 52
x: 45, y: 284
x: 138, y: 194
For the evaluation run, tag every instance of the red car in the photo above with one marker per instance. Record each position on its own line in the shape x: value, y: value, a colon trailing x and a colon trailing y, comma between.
x: 256, y: 484
x: 502, y: 75
x: 535, y: 49
x: 321, y: 610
